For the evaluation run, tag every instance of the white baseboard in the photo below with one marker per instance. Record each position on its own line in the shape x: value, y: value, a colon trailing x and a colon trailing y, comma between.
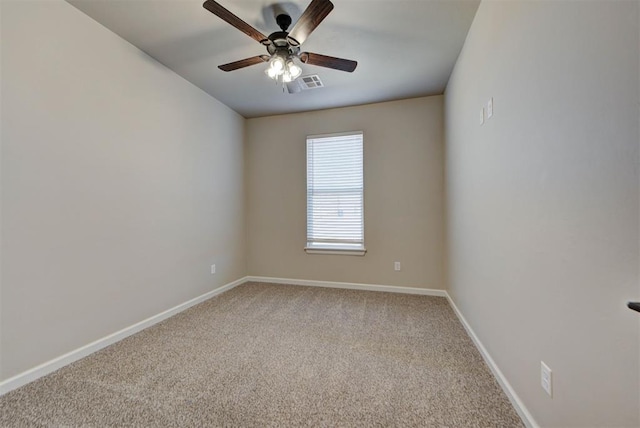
x: 349, y: 286
x: 517, y: 403
x: 68, y: 358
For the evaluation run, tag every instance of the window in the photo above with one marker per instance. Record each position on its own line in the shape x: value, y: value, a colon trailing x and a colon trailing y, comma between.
x: 335, y: 194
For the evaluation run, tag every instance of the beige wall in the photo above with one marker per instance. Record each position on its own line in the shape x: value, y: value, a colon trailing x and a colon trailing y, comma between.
x: 403, y: 173
x: 543, y: 202
x: 121, y: 185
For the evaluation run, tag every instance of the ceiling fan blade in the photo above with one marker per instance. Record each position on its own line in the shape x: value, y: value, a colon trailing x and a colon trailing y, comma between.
x: 225, y: 15
x: 328, y: 61
x: 244, y: 63
x: 310, y: 19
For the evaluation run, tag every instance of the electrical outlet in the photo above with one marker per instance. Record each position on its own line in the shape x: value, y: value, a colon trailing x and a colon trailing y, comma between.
x: 546, y: 378
x: 482, y: 116
x: 213, y: 269
x: 396, y: 266
x: 490, y: 108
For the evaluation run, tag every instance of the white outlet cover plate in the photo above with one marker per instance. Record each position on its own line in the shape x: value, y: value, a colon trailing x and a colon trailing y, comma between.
x: 482, y: 116
x: 490, y: 108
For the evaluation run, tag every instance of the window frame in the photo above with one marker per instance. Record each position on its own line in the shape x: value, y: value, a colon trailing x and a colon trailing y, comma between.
x: 340, y: 247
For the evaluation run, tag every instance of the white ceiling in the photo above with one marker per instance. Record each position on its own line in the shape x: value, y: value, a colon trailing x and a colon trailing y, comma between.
x: 404, y: 48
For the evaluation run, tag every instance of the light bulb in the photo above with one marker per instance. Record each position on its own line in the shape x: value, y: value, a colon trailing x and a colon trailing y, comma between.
x: 294, y: 70
x: 271, y: 73
x: 286, y: 77
x: 277, y: 63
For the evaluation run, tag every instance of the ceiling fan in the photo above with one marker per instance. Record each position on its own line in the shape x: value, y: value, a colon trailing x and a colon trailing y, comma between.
x: 283, y: 46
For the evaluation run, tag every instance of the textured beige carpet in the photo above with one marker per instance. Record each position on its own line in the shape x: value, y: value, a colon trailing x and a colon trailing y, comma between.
x: 279, y: 355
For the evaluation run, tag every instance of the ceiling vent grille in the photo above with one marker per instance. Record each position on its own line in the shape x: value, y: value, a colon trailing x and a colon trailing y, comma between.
x: 310, y: 82
x: 304, y: 83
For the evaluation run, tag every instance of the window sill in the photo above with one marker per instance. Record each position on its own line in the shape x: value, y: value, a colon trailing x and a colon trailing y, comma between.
x: 336, y: 251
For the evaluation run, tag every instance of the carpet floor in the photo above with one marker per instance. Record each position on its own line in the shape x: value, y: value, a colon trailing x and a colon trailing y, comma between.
x: 279, y: 355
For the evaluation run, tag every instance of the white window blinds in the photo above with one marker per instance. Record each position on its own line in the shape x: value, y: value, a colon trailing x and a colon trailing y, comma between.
x: 335, y: 192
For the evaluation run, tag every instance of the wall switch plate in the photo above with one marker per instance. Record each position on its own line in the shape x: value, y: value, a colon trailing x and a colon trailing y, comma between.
x: 490, y: 108
x: 396, y: 266
x: 482, y: 116
x: 546, y: 378
x: 213, y: 269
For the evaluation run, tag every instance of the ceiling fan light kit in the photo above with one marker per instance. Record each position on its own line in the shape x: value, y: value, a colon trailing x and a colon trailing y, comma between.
x: 284, y: 47
x: 283, y: 68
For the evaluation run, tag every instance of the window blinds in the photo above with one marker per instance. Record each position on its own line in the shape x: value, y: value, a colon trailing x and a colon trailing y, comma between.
x: 335, y: 191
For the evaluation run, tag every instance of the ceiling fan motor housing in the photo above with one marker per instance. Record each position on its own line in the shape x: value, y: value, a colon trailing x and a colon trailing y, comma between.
x: 283, y: 20
x: 280, y: 43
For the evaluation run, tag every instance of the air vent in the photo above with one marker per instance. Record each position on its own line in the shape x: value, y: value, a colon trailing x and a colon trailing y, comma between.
x: 304, y: 83
x: 310, y: 82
